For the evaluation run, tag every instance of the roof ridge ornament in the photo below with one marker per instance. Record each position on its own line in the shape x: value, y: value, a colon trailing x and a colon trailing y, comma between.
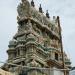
x: 32, y: 3
x: 40, y: 9
x: 47, y: 14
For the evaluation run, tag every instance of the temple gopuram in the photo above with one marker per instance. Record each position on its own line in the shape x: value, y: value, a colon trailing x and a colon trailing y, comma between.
x: 36, y: 48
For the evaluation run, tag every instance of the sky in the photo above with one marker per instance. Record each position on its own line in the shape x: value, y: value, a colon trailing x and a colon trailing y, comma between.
x: 63, y: 8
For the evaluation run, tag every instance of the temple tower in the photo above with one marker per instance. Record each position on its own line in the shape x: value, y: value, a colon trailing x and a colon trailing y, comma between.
x: 37, y: 43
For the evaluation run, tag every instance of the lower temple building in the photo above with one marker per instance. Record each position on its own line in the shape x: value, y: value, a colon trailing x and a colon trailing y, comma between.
x: 36, y: 48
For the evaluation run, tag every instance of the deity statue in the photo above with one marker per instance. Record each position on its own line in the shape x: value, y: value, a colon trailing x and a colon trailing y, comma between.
x: 24, y: 9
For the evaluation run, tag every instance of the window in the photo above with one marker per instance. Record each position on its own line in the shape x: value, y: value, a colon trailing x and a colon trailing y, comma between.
x: 56, y: 56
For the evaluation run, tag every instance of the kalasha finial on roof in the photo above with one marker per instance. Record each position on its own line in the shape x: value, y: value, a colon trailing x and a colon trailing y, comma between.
x: 32, y: 3
x: 47, y: 14
x: 40, y: 9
